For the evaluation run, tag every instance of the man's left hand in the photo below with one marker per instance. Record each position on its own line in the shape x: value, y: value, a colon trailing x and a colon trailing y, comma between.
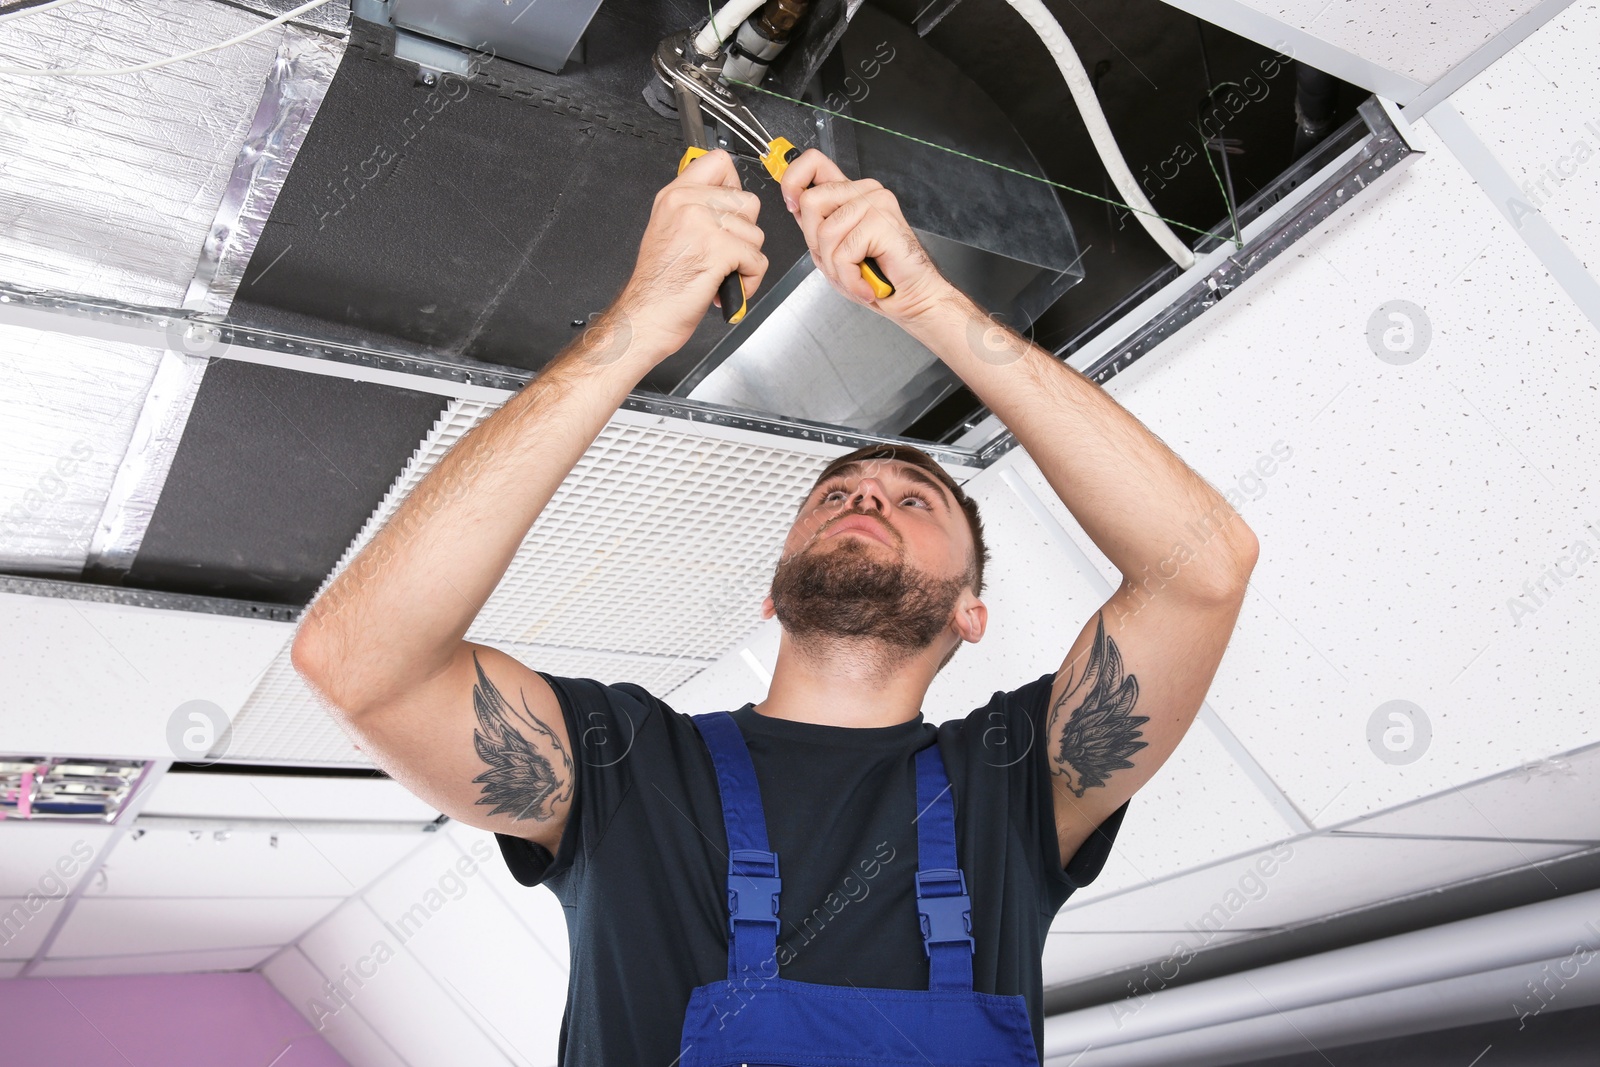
x: 846, y: 221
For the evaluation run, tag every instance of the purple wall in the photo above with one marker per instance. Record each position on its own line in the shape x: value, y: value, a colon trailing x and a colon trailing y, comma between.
x: 159, y: 1020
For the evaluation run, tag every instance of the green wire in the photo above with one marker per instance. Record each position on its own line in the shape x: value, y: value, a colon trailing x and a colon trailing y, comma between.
x: 990, y: 163
x: 1226, y: 199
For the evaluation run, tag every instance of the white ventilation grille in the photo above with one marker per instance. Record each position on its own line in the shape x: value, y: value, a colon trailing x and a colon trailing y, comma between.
x: 647, y: 566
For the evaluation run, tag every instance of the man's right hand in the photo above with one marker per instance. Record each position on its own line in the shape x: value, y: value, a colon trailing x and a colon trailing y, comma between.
x: 702, y: 227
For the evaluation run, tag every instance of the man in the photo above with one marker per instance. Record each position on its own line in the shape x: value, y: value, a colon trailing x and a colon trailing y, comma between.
x: 609, y: 796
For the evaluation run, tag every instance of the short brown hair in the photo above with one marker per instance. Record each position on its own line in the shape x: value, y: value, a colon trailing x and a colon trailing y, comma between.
x: 918, y: 458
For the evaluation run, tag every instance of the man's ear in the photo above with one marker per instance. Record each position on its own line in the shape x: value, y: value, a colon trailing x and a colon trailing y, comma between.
x: 971, y: 617
x: 768, y: 610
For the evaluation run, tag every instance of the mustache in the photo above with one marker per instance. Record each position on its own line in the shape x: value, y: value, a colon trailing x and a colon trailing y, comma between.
x: 879, y: 519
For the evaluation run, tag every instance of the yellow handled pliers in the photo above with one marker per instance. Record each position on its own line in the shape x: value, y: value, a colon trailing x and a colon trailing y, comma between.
x: 694, y: 81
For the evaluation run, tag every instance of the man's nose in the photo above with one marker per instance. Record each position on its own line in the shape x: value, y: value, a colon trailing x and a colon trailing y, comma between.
x: 868, y: 490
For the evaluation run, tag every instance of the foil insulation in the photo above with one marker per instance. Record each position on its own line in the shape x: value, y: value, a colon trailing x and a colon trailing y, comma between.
x: 68, y: 408
x: 131, y: 501
x: 111, y: 186
x: 299, y: 78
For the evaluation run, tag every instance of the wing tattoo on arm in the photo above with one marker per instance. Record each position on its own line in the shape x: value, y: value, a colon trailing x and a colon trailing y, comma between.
x: 520, y: 779
x: 1100, y: 734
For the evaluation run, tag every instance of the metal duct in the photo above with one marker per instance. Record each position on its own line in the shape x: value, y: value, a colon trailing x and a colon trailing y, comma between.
x: 817, y: 356
x: 1473, y: 970
x: 1001, y: 237
x: 111, y: 186
x: 540, y: 35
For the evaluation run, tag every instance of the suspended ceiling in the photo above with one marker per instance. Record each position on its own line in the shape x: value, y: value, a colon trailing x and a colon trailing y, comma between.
x: 1319, y: 658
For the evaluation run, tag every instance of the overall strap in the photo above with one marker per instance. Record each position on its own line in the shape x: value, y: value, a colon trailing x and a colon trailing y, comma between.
x: 753, y: 882
x: 943, y: 906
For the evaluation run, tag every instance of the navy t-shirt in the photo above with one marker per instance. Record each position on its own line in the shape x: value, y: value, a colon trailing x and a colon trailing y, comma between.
x: 641, y: 868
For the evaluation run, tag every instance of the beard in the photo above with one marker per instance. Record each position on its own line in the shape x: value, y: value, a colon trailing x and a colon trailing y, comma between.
x: 850, y: 592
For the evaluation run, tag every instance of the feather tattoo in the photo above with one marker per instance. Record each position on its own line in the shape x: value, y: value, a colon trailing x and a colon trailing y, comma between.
x: 520, y: 779
x: 1100, y: 734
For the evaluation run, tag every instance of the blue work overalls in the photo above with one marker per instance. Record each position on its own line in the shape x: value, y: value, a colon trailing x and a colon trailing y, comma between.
x: 759, y: 1019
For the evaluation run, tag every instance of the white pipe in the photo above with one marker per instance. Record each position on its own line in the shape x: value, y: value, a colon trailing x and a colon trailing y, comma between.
x: 723, y: 23
x: 1055, y: 39
x: 1533, y: 932
x: 1519, y: 993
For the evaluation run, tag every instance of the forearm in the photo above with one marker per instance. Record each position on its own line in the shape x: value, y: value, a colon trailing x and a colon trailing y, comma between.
x: 400, y: 609
x: 1138, y: 501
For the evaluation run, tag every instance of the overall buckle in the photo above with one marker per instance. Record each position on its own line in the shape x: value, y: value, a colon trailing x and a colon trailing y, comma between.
x: 753, y: 896
x: 944, y: 908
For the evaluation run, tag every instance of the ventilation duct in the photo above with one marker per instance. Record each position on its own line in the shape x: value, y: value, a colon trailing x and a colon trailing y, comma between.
x: 1001, y: 237
x: 1475, y: 970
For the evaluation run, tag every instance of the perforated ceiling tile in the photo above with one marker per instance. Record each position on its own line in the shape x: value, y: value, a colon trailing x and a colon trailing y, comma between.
x: 1408, y: 509
x: 1538, y: 110
x: 650, y: 561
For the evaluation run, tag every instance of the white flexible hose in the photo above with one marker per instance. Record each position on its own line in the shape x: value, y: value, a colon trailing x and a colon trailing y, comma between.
x: 723, y: 24
x: 1061, y: 50
x: 9, y: 15
x: 79, y: 72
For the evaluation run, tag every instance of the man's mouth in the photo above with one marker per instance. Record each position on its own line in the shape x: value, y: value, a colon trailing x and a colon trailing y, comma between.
x: 875, y: 528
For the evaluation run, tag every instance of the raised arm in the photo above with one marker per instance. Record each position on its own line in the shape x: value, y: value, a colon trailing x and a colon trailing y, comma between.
x: 470, y: 730
x: 1134, y: 678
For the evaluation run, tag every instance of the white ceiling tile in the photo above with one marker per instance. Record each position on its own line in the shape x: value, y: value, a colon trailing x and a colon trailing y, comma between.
x: 1535, y: 108
x: 39, y: 855
x: 1199, y: 806
x: 393, y: 992
x: 1297, y: 882
x: 1422, y: 41
x: 535, y: 906
x: 1388, y: 551
x: 124, y: 671
x: 272, y: 796
x: 24, y: 924
x: 457, y: 926
x: 109, y: 926
x: 1177, y: 820
x: 227, y: 959
x: 1038, y: 600
x: 1070, y: 956
x: 1555, y: 799
x: 299, y: 983
x: 174, y: 863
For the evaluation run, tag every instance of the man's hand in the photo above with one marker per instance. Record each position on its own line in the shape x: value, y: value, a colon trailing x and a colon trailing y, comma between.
x: 702, y: 227
x: 846, y: 221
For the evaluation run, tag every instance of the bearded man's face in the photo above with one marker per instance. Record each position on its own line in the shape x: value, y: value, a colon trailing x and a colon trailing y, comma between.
x: 849, y: 585
x: 876, y: 553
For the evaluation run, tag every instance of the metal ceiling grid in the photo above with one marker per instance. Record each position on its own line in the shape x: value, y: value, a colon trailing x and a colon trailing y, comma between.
x: 113, y: 184
x: 660, y: 546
